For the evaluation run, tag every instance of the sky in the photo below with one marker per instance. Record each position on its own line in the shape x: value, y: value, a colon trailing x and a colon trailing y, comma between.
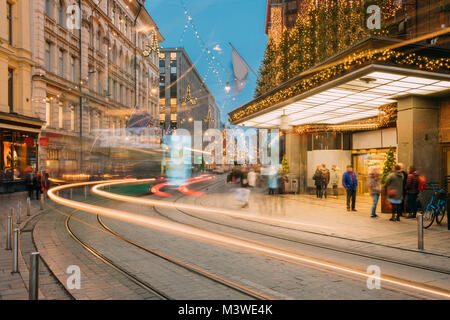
x: 217, y: 23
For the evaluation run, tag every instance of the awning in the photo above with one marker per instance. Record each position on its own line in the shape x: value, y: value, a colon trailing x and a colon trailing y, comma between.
x: 355, y: 96
x: 14, y: 121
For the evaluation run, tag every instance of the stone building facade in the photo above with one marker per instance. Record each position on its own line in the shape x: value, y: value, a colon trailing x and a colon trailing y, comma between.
x: 89, y: 81
x: 19, y: 128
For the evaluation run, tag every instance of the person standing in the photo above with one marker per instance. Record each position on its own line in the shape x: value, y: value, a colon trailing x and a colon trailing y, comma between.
x: 394, y: 187
x: 325, y: 179
x: 412, y: 192
x: 37, y: 184
x: 405, y: 177
x: 350, y: 182
x: 318, y: 181
x: 334, y: 180
x: 375, y: 189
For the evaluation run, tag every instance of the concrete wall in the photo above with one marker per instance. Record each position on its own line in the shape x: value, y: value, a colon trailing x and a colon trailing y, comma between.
x: 383, y: 138
x: 341, y: 158
x: 418, y: 135
x: 444, y: 122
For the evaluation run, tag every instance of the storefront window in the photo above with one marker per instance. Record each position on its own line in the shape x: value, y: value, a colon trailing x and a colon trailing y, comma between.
x: 18, y: 154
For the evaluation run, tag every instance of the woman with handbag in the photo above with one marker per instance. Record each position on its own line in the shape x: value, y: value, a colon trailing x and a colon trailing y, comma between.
x: 394, y: 187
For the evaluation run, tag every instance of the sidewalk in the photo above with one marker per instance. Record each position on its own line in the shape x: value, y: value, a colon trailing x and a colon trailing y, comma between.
x: 13, y: 286
x: 330, y: 217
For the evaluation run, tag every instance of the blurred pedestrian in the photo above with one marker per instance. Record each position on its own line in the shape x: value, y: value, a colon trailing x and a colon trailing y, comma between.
x: 405, y: 178
x: 334, y: 180
x: 318, y: 181
x: 272, y: 181
x: 412, y: 192
x: 29, y: 183
x: 350, y: 183
x: 375, y: 188
x: 325, y: 179
x: 37, y: 184
x: 394, y: 188
x: 243, y: 195
x: 251, y: 178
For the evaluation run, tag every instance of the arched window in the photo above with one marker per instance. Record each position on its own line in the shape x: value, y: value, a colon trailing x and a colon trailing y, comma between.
x: 114, y: 54
x: 61, y: 13
x: 48, y: 8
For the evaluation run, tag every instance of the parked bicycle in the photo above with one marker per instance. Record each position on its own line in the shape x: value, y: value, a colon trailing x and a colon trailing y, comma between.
x: 436, y: 208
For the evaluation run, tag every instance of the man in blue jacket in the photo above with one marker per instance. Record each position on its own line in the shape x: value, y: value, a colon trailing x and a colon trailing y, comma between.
x: 350, y: 182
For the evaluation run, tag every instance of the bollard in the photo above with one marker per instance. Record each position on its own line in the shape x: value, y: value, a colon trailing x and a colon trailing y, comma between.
x: 28, y: 206
x: 16, y: 245
x: 420, y: 229
x: 19, y: 211
x: 71, y: 193
x: 85, y: 192
x: 9, y: 232
x: 34, y: 276
x: 42, y: 201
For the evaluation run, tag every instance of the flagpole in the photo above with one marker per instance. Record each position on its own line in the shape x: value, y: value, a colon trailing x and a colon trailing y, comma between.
x: 243, y: 59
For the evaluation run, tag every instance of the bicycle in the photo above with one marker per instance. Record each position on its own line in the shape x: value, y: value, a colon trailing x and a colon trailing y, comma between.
x: 436, y: 208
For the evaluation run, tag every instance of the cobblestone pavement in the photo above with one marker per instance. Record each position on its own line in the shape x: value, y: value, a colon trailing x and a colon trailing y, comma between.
x: 267, y: 275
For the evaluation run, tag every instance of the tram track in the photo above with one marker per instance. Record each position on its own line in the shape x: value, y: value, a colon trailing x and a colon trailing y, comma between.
x: 271, y: 235
x: 268, y: 235
x: 143, y: 284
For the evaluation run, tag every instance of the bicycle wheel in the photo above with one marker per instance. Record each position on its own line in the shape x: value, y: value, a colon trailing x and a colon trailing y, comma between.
x: 441, y: 214
x: 428, y: 216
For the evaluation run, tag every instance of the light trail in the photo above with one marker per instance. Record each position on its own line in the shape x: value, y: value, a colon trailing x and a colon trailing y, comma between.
x: 184, y: 189
x: 220, y: 239
x: 196, y: 208
x: 156, y: 188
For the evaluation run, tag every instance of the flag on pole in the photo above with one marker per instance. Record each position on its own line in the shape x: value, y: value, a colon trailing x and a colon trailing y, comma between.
x: 240, y: 69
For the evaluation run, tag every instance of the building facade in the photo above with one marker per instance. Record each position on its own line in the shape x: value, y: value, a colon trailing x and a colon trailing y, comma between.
x: 19, y: 127
x: 89, y: 77
x: 184, y: 97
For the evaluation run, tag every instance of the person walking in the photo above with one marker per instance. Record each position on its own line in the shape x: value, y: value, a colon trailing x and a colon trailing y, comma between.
x: 29, y: 182
x: 318, y: 181
x: 325, y: 179
x: 412, y: 192
x: 375, y: 189
x: 334, y: 180
x: 394, y: 188
x: 350, y: 183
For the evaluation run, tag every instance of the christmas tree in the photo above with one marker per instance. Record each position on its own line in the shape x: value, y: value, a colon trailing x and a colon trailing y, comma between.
x: 323, y: 28
x: 388, y: 164
x: 285, y: 165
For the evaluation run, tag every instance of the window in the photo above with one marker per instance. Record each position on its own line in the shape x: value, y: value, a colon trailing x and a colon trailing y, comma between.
x: 115, y: 90
x: 11, y: 89
x: 121, y: 94
x: 173, y: 102
x: 61, y: 63
x: 73, y: 71
x: 60, y: 117
x: 91, y: 36
x: 48, y: 113
x: 162, y: 102
x: 99, y: 41
x: 9, y: 18
x: 48, y: 56
x: 61, y: 13
x: 48, y: 8
x: 173, y: 56
x: 72, y: 118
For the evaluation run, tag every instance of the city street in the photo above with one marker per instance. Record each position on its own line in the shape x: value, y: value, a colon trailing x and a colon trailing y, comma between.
x: 225, y: 159
x: 124, y: 260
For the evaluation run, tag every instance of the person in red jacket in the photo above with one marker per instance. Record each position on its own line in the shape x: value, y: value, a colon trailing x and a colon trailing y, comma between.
x: 412, y: 191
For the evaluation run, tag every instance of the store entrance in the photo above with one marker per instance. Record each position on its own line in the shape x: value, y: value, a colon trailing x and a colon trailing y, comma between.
x: 362, y: 161
x: 446, y: 166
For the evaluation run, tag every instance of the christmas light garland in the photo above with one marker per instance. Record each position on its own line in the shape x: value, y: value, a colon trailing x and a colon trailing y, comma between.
x: 356, y: 60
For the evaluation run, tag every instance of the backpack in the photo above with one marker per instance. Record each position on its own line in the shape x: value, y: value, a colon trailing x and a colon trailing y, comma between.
x: 422, y: 183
